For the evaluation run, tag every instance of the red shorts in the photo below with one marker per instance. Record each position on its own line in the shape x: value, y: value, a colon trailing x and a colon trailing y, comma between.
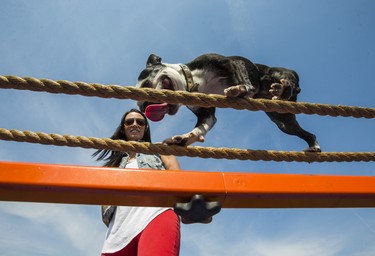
x: 161, y: 237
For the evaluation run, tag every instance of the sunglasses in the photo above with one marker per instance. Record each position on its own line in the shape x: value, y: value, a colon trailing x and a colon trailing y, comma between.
x: 139, y: 121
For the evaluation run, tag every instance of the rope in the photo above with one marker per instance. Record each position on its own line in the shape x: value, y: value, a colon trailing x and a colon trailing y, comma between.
x: 186, y: 98
x: 190, y: 151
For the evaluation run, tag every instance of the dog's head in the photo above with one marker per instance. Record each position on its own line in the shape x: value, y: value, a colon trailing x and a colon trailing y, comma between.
x: 158, y: 75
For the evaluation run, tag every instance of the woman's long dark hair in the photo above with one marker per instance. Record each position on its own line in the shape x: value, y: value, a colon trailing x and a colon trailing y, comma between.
x: 114, y: 157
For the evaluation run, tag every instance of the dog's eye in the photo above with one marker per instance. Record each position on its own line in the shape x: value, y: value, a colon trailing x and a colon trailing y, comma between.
x: 146, y: 84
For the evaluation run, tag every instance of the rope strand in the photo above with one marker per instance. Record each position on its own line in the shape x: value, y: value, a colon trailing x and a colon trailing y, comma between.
x: 186, y: 98
x: 190, y: 151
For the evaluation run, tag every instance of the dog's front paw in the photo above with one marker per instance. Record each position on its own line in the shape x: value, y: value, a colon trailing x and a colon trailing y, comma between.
x: 282, y: 90
x: 239, y: 91
x: 176, y: 140
x: 184, y: 140
x: 233, y: 91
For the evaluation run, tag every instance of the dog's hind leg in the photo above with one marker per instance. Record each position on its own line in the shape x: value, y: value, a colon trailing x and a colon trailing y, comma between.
x: 288, y: 124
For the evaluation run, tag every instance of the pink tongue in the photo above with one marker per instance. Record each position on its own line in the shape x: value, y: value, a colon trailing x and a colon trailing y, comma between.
x: 156, y: 112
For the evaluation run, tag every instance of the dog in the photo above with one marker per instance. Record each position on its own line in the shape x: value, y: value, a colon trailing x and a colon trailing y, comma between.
x: 232, y: 76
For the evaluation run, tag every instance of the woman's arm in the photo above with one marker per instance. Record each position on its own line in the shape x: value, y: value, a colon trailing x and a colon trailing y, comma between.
x: 170, y: 162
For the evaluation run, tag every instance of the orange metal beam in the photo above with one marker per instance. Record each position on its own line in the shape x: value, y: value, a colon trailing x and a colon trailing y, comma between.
x: 30, y: 182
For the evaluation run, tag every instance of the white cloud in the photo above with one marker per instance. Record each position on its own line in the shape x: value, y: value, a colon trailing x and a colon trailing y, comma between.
x: 72, y: 224
x: 301, y: 234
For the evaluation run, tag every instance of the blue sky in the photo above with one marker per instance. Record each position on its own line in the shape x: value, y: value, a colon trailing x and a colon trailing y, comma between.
x: 330, y: 43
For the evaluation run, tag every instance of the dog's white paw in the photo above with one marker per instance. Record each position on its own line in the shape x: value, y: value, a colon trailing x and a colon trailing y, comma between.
x: 232, y: 91
x: 314, y: 148
x: 239, y: 91
x: 184, y: 140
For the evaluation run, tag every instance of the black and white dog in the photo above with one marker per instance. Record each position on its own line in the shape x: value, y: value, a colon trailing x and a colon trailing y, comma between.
x: 233, y: 76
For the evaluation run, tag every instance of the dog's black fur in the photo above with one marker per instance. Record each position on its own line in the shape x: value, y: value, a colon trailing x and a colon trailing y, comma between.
x: 233, y: 76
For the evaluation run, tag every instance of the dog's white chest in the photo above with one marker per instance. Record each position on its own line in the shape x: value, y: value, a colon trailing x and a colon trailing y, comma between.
x: 209, y: 82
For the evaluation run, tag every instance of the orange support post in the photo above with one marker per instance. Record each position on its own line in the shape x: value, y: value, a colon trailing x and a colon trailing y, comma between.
x: 30, y: 182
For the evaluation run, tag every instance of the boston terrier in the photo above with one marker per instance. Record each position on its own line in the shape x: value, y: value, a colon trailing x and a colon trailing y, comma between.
x: 232, y: 76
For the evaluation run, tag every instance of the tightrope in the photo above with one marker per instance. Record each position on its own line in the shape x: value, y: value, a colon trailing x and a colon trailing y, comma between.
x: 190, y: 151
x: 186, y: 98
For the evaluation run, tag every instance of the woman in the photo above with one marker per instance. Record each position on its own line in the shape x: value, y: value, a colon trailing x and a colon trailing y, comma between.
x: 131, y: 230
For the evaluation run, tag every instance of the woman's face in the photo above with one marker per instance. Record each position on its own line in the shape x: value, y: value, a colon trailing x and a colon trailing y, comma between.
x: 134, y: 126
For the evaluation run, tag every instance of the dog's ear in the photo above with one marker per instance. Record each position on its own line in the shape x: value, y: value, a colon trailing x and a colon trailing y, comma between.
x: 153, y: 60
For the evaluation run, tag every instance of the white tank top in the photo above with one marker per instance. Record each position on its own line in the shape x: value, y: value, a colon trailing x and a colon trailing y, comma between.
x: 127, y: 222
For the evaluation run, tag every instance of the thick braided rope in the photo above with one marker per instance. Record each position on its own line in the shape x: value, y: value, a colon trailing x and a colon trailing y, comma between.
x: 191, y: 151
x: 198, y: 99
